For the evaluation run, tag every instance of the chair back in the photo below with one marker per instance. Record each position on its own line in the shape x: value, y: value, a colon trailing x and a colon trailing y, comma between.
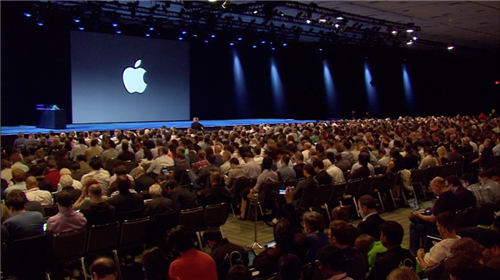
x: 129, y: 215
x: 33, y: 251
x: 366, y: 186
x: 352, y: 188
x: 467, y: 217
x: 145, y: 194
x: 378, y: 182
x: 240, y: 184
x: 109, y: 165
x: 308, y: 199
x: 192, y: 218
x: 34, y: 206
x: 103, y: 238
x: 291, y: 183
x: 416, y: 175
x: 215, y: 215
x: 165, y: 221
x: 68, y: 246
x: 133, y: 233
x: 50, y: 210
x: 379, y: 169
x: 430, y: 173
x: 268, y: 188
x: 338, y: 192
x: 323, y: 194
x: 130, y: 165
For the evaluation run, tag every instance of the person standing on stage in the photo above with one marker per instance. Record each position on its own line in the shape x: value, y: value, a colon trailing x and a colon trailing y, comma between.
x: 196, y: 126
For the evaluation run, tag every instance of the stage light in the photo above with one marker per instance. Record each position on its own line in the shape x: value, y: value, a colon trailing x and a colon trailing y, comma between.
x: 322, y: 19
x: 285, y: 44
x: 409, y: 42
x: 40, y: 23
x: 337, y: 25
x: 410, y: 30
x: 213, y: 36
x: 114, y: 24
x: 147, y: 34
x: 76, y: 20
x: 195, y: 35
x: 226, y: 4
x: 239, y: 38
x: 254, y: 46
x: 118, y: 32
x: 414, y: 38
x: 27, y: 14
x: 231, y: 44
x: 340, y: 18
x: 184, y: 32
x: 451, y: 47
x: 320, y: 49
x: 181, y: 38
x: 81, y: 28
x: 255, y: 12
x: 263, y: 42
x: 151, y: 28
x: 308, y: 21
x: 212, y: 1
x: 206, y: 41
x: 394, y: 32
x: 273, y: 48
x: 497, y: 82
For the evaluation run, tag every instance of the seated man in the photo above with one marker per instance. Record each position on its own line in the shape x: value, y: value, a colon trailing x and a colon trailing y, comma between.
x: 224, y: 252
x: 98, y: 211
x: 422, y: 225
x: 126, y: 201
x: 192, y: 264
x: 465, y: 197
x: 67, y: 219
x: 103, y: 269
x: 442, y: 249
x: 234, y: 173
x: 308, y: 183
x: 18, y: 177
x: 314, y: 227
x: 158, y: 204
x: 371, y: 219
x: 490, y: 240
x: 290, y: 267
x: 332, y: 263
x: 142, y: 181
x: 391, y: 235
x: 23, y: 223
x: 216, y: 193
x: 339, y: 236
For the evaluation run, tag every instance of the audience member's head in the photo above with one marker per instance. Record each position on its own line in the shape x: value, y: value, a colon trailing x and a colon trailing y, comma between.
x: 284, y: 236
x: 215, y: 178
x: 155, y: 190
x: 438, y: 185
x: 64, y: 199
x: 31, y: 182
x: 467, y: 247
x: 16, y: 200
x: 66, y: 181
x: 181, y: 239
x: 123, y: 184
x: 313, y: 222
x: 490, y: 240
x: 363, y: 243
x: 366, y: 205
x: 445, y: 223
x: 267, y: 163
x: 290, y: 267
x: 391, y: 233
x: 103, y: 269
x: 331, y: 261
x: 154, y: 264
x: 463, y: 268
x: 339, y: 232
x: 239, y: 272
x: 212, y: 236
x: 341, y: 213
x: 403, y: 273
x: 18, y: 175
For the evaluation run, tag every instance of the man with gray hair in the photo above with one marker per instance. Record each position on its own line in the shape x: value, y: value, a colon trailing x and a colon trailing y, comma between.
x: 158, y: 204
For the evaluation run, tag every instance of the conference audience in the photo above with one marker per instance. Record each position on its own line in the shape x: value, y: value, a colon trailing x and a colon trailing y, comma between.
x: 67, y: 219
x: 22, y: 223
x: 371, y: 219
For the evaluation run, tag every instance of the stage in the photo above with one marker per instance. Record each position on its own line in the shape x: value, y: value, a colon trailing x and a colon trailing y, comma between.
x: 26, y: 129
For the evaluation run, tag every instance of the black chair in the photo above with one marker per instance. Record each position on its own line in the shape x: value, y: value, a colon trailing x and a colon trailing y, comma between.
x: 145, y: 194
x: 323, y: 195
x: 50, y: 210
x: 193, y: 220
x: 103, y: 239
x: 130, y: 165
x: 186, y: 181
x: 378, y: 183
x: 351, y: 191
x: 240, y: 184
x: 32, y: 251
x: 133, y: 235
x: 335, y: 197
x: 129, y: 215
x: 34, y: 206
x: 467, y: 217
x: 215, y: 215
x: 417, y: 176
x: 160, y: 225
x: 68, y: 247
x: 366, y: 186
x: 308, y: 199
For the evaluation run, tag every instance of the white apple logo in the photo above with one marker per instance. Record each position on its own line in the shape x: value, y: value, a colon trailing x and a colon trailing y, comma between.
x: 133, y: 78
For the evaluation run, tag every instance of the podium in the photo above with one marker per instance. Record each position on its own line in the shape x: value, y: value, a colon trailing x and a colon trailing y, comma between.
x: 48, y: 117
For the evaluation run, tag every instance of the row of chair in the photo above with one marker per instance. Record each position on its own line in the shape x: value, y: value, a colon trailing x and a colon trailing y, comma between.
x: 477, y: 214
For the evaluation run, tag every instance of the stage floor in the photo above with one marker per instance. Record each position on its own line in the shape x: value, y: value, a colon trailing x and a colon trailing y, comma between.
x: 26, y: 129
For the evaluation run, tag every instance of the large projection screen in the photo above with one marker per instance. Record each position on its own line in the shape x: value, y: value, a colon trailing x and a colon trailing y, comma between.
x: 118, y: 78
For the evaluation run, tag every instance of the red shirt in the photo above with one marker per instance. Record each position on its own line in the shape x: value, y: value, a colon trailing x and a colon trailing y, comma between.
x: 194, y: 265
x: 53, y: 176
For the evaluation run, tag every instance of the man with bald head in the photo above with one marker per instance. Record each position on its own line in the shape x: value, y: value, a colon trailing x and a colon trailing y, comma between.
x: 35, y: 194
x: 158, y: 204
x: 98, y: 211
x: 103, y: 269
x: 422, y: 224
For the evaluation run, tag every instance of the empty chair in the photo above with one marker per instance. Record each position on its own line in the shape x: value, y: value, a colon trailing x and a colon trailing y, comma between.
x: 215, y: 215
x: 68, y: 247
x: 102, y: 239
x: 160, y: 225
x: 417, y: 176
x: 366, y: 186
x: 351, y: 191
x: 193, y: 219
x: 133, y: 235
x: 32, y: 251
x: 323, y: 195
x: 129, y: 215
x: 378, y: 183
x: 336, y: 196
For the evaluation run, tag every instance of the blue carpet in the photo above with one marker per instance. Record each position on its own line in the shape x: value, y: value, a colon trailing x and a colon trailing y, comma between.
x: 26, y: 129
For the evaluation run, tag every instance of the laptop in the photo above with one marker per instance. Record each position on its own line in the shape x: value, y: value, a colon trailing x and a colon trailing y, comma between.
x: 417, y: 207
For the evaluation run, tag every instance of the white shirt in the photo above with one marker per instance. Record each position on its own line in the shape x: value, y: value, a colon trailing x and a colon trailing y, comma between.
x: 7, y: 174
x: 336, y: 173
x: 440, y: 250
x: 102, y: 177
x: 357, y: 165
x: 44, y: 197
x: 78, y: 149
x: 159, y: 163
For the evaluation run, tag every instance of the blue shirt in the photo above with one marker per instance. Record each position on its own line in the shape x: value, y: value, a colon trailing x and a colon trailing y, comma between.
x: 25, y: 224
